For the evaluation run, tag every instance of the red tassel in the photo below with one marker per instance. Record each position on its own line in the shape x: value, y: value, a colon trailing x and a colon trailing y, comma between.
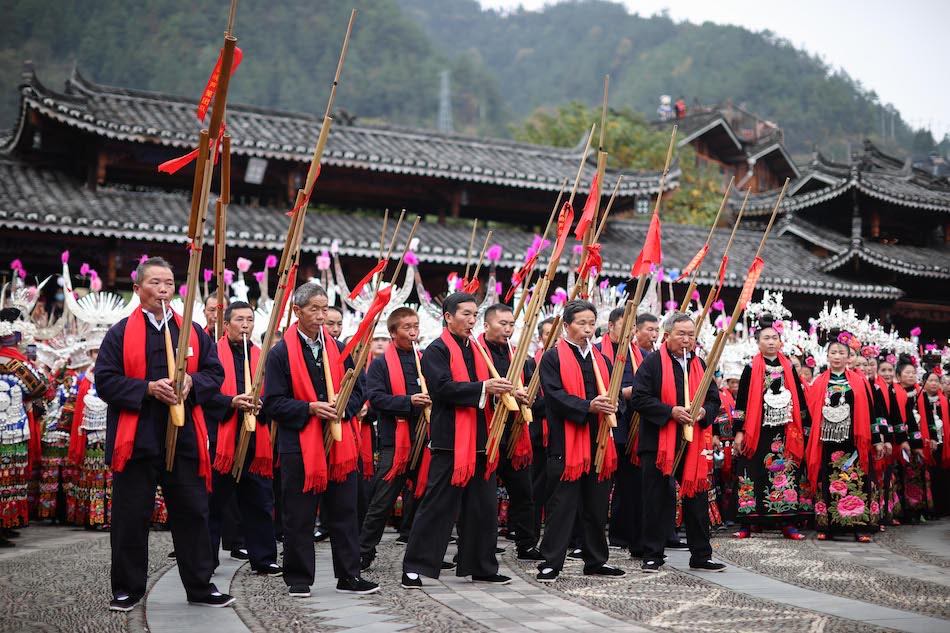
x: 382, y: 298
x: 378, y: 268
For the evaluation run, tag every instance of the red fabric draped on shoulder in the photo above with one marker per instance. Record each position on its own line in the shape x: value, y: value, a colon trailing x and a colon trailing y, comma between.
x: 397, y: 382
x: 860, y: 420
x: 466, y: 418
x: 794, y: 437
x: 695, y: 464
x: 77, y: 439
x: 262, y: 464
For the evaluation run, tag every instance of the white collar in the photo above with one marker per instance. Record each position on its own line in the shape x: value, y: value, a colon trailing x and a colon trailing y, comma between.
x: 312, y: 342
x: 584, y: 351
x: 154, y: 320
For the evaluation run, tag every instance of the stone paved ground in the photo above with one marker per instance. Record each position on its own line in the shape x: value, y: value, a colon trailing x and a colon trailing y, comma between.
x: 57, y: 580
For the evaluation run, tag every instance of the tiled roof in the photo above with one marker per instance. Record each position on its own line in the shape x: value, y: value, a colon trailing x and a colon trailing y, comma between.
x: 49, y: 201
x: 147, y: 117
x: 909, y: 260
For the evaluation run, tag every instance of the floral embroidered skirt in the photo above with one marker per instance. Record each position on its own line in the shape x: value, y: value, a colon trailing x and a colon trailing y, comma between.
x: 14, y: 505
x: 846, y: 498
x: 888, y: 488
x: 767, y: 484
x: 91, y: 502
x: 917, y: 495
x: 55, y: 478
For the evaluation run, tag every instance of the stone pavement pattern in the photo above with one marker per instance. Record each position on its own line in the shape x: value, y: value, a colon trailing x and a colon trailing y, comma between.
x: 57, y: 580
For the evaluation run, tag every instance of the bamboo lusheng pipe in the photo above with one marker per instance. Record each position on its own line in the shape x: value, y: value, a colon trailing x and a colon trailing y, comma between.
x: 712, y: 229
x: 176, y: 412
x: 715, y: 289
x: 715, y: 353
x: 422, y: 424
x: 526, y: 282
x: 250, y: 417
x: 587, y: 238
x: 468, y: 253
x: 290, y: 253
x: 481, y: 256
x: 506, y: 398
x: 220, y: 232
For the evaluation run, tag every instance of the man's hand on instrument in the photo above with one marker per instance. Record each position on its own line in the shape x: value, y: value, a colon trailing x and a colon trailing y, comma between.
x: 521, y: 395
x: 681, y: 415
x: 602, y: 405
x: 186, y: 387
x: 627, y: 392
x: 244, y: 402
x: 420, y: 400
x: 738, y: 442
x: 498, y: 386
x: 162, y: 390
x: 323, y: 410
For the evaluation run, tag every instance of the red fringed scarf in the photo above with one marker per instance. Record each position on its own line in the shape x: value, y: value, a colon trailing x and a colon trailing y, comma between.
x: 263, y: 462
x: 466, y: 418
x: 860, y: 420
x: 794, y: 438
x: 577, y: 450
x: 925, y: 428
x: 134, y: 365
x: 343, y: 454
x: 695, y: 464
x: 77, y: 439
x: 636, y: 358
x: 523, y: 453
x: 397, y: 382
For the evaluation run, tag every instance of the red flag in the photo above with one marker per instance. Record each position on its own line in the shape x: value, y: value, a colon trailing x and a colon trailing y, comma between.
x: 382, y: 298
x: 752, y: 278
x: 694, y: 263
x: 652, y: 253
x: 212, y: 86
x: 471, y: 287
x: 378, y: 268
x: 564, y: 222
x: 721, y: 277
x: 592, y: 259
x: 175, y: 164
x: 590, y: 209
x: 521, y: 274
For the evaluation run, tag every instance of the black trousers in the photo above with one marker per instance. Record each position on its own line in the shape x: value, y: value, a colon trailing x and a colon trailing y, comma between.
x: 585, y: 501
x: 255, y: 499
x: 539, y: 483
x: 382, y: 498
x: 659, y: 512
x: 231, y: 532
x: 626, y: 511
x: 133, y: 498
x: 475, y: 505
x: 521, y: 515
x: 300, y: 510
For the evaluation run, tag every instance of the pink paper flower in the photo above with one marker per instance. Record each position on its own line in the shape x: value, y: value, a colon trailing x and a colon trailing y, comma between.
x: 183, y: 290
x: 84, y: 269
x: 323, y: 260
x: 64, y: 257
x: 604, y: 284
x: 559, y: 297
x: 493, y: 254
x: 538, y: 244
x: 891, y: 358
x: 207, y: 274
x: 719, y: 305
x: 851, y: 506
x: 577, y: 249
x: 16, y: 264
x: 915, y: 331
x: 21, y: 273
x: 93, y: 274
x: 95, y: 284
x: 228, y: 276
x: 671, y: 305
x: 133, y: 275
x: 243, y: 264
x: 844, y: 337
x: 498, y: 288
x: 931, y: 347
x: 695, y: 296
x: 143, y: 258
x: 410, y: 259
x: 270, y: 261
x: 259, y: 276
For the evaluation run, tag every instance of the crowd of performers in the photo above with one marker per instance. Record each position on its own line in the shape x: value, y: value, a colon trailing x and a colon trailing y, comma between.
x: 846, y: 439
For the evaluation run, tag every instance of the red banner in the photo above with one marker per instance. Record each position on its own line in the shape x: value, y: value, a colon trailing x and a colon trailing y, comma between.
x: 211, y: 87
x: 471, y: 287
x: 176, y: 164
x: 652, y: 253
x: 521, y: 274
x: 590, y: 210
x: 378, y: 268
x: 592, y: 259
x: 382, y: 298
x: 694, y: 263
x: 564, y: 221
x: 752, y: 278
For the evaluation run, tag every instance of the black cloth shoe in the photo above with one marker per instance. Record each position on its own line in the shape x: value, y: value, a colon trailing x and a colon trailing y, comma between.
x: 214, y: 599
x: 356, y: 586
x: 123, y: 602
x: 299, y: 591
x: 319, y: 534
x: 636, y: 553
x: 270, y: 570
x: 408, y: 582
x: 500, y: 550
x: 172, y: 555
x: 707, y: 565
x: 495, y: 579
x: 239, y: 554
x: 605, y: 570
x: 532, y: 553
x: 677, y: 544
x: 4, y: 542
x: 402, y: 539
x: 651, y: 566
x: 453, y: 540
x: 366, y: 561
x: 575, y: 553
x: 547, y: 575
x: 447, y: 565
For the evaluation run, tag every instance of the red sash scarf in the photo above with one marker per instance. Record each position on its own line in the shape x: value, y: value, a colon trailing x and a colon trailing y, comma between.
x: 466, y: 418
x: 262, y: 464
x: 607, y: 349
x: 134, y: 365
x: 860, y: 420
x: 343, y: 454
x: 925, y: 428
x: 577, y: 451
x: 523, y: 452
x: 695, y: 464
x: 900, y: 395
x: 77, y: 439
x: 794, y: 438
x: 397, y: 383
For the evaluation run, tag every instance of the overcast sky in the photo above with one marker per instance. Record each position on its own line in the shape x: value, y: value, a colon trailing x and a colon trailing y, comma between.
x: 897, y: 49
